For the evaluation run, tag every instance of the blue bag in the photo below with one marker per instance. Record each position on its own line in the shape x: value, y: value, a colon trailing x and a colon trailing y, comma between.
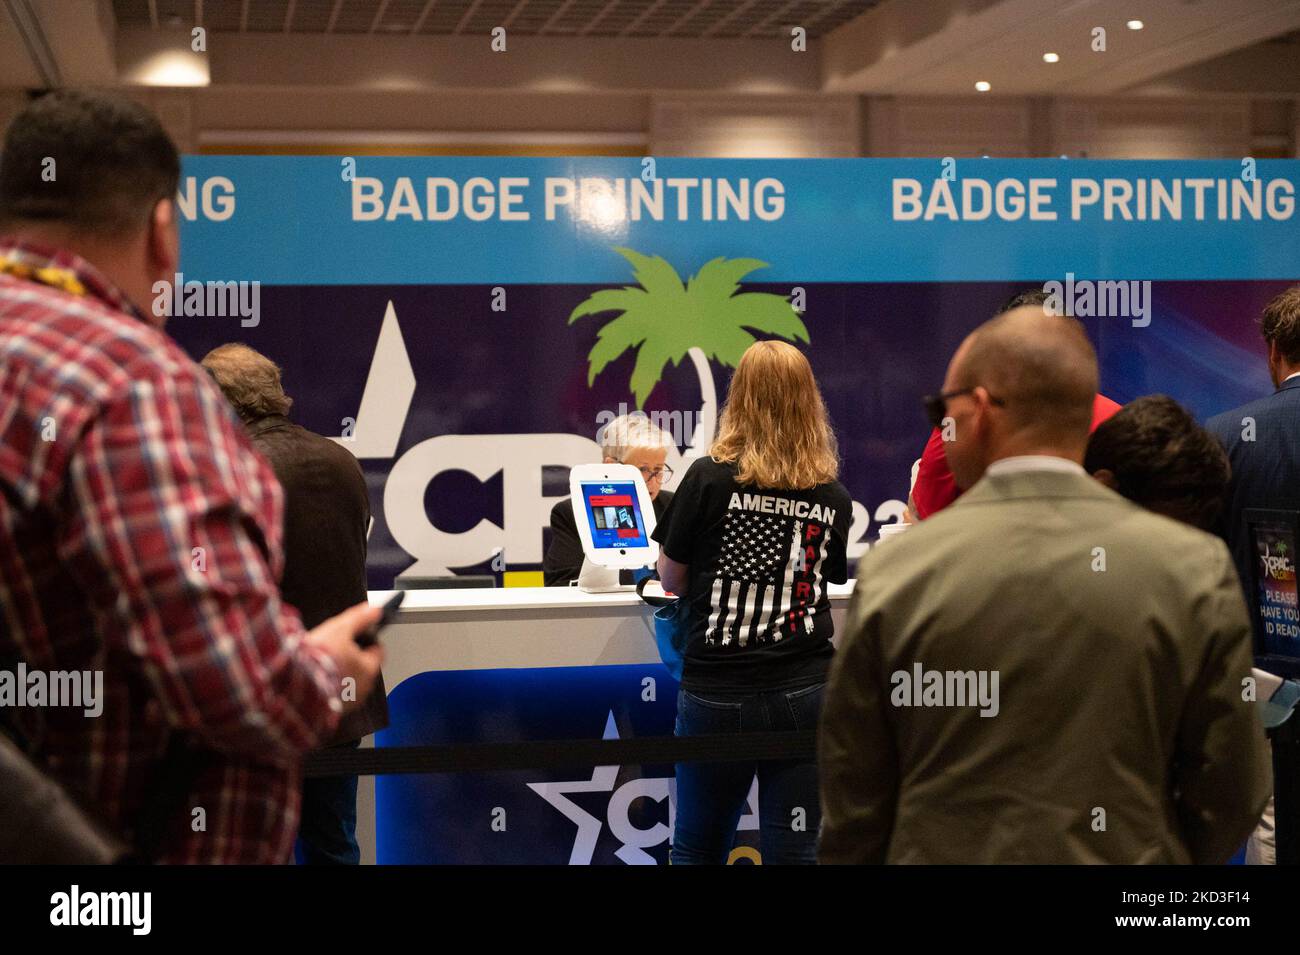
x: 671, y: 626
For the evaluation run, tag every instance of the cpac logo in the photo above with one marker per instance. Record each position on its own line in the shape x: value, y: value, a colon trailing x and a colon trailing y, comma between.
x: 520, y: 458
x: 1277, y: 566
x: 634, y: 841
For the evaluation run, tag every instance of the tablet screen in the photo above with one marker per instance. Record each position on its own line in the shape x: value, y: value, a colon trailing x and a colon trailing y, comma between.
x: 614, y: 515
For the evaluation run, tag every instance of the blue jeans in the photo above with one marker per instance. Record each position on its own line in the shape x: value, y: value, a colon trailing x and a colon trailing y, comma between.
x: 711, y: 796
x: 328, y: 832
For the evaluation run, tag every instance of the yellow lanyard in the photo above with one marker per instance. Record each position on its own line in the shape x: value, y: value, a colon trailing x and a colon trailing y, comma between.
x: 64, y: 279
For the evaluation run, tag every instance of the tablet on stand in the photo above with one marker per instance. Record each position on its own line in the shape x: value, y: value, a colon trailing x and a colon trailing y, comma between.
x: 615, y: 519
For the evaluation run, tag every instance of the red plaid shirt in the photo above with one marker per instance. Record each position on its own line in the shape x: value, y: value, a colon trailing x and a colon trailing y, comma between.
x: 140, y: 537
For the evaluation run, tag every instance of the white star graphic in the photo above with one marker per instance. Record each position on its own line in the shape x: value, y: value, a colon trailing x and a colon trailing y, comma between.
x: 601, y: 781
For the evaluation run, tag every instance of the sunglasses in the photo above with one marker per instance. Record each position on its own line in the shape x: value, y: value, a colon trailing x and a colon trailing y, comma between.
x: 936, y: 406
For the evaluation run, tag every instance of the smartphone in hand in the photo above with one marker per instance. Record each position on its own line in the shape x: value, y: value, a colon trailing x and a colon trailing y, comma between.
x: 368, y: 638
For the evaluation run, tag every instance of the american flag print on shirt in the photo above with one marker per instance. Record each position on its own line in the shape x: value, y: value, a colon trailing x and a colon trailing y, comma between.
x: 767, y: 582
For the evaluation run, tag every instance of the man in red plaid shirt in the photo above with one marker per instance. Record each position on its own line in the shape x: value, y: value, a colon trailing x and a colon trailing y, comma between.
x: 139, y: 531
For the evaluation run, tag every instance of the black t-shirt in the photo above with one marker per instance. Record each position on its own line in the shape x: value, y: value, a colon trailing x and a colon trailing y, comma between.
x: 760, y: 560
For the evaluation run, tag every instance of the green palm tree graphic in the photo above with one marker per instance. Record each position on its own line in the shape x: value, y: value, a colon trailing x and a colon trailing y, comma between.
x: 667, y: 320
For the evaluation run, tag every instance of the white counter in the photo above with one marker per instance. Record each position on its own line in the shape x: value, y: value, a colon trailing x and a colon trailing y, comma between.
x: 512, y: 628
x: 492, y: 628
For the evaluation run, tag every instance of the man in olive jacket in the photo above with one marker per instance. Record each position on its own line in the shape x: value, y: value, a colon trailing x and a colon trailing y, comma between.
x: 326, y: 517
x: 1044, y: 672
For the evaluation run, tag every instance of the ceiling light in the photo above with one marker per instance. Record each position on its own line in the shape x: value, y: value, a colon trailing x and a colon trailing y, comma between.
x: 171, y: 68
x: 1135, y: 24
x: 983, y: 86
x: 1051, y: 57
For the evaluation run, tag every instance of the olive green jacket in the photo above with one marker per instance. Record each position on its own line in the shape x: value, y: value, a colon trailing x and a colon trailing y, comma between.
x: 1120, y: 642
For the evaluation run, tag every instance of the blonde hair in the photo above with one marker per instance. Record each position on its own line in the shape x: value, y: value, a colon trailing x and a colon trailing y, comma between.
x: 774, y: 426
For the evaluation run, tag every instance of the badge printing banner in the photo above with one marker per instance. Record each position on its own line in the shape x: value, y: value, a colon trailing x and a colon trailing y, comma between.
x: 466, y: 325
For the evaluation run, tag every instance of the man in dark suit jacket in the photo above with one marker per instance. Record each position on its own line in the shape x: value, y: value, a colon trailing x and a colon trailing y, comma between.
x: 631, y: 439
x: 1262, y: 439
x: 326, y: 519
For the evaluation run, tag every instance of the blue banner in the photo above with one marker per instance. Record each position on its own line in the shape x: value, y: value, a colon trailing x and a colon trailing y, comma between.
x: 498, y: 220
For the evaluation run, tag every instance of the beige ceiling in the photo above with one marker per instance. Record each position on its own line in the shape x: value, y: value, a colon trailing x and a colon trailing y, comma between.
x: 597, y: 18
x: 879, y: 47
x: 944, y: 47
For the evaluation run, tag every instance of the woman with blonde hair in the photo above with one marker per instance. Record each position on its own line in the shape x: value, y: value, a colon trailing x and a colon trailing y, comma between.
x: 753, y: 536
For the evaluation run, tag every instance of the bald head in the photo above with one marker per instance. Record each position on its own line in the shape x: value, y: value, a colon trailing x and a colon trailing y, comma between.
x: 1042, y: 366
x: 1031, y: 379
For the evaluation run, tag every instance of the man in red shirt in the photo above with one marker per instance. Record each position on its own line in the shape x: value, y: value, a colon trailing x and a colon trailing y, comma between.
x: 139, y: 531
x: 935, y: 488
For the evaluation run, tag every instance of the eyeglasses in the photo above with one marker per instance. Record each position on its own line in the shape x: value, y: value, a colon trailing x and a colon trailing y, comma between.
x: 936, y: 406
x: 664, y: 473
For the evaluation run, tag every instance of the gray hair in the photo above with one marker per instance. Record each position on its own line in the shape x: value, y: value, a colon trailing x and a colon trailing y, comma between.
x: 249, y: 380
x: 631, y: 431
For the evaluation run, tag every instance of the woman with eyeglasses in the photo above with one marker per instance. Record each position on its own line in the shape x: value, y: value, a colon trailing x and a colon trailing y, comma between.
x: 631, y: 439
x: 755, y: 533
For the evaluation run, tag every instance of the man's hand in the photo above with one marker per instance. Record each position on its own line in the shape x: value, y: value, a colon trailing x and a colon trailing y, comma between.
x: 337, y: 637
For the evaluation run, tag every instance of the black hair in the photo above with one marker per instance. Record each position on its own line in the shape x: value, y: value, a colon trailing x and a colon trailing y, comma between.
x: 1163, y: 460
x: 1032, y: 296
x: 97, y: 162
